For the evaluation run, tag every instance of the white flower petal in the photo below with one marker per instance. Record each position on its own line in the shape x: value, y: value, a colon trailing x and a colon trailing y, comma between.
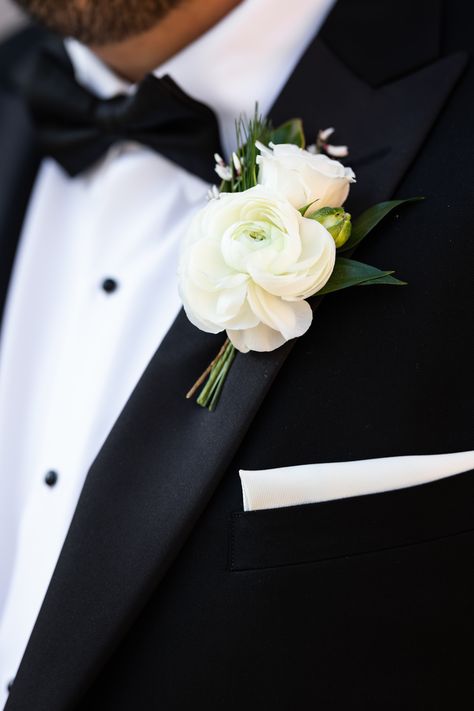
x: 205, y: 266
x: 291, y: 319
x: 230, y: 301
x: 261, y: 339
x: 196, y: 319
x: 302, y: 176
x: 283, y: 285
x: 217, y: 311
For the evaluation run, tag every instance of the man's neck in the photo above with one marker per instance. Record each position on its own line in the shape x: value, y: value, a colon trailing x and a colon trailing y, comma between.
x: 139, y: 55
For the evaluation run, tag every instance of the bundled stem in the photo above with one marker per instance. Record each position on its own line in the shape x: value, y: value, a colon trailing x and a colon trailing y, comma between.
x: 216, y: 374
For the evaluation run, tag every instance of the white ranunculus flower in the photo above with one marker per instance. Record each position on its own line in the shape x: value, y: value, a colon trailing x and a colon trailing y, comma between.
x: 303, y: 177
x: 249, y: 261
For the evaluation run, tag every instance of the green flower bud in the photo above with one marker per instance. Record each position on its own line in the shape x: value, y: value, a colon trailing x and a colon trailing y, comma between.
x: 336, y: 221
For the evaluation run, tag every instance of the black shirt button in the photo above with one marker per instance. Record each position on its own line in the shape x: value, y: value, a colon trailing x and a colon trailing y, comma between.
x: 109, y: 285
x: 9, y: 685
x: 51, y: 478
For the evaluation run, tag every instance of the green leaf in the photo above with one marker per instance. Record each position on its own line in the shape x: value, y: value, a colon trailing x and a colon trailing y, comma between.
x: 366, y: 222
x: 348, y: 272
x: 388, y: 280
x: 289, y: 132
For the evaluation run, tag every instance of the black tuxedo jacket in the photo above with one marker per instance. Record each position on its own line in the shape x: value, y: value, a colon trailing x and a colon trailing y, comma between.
x: 166, y: 595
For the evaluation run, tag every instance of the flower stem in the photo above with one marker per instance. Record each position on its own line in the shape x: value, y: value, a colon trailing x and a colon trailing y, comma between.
x: 216, y: 374
x: 219, y: 384
x: 204, y: 375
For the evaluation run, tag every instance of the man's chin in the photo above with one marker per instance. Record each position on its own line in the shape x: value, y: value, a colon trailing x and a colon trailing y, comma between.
x: 98, y: 22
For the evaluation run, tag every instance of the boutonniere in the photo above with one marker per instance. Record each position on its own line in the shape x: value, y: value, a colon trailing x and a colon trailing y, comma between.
x: 273, y: 236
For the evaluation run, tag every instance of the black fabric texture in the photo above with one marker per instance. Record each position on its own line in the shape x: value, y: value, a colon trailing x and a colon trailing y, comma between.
x: 20, y: 159
x: 166, y: 595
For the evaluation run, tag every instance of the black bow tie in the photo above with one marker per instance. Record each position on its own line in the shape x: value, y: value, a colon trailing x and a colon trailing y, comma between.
x: 76, y: 128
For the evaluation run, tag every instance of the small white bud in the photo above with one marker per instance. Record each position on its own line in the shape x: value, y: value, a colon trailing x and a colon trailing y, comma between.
x: 237, y: 163
x: 264, y: 150
x: 337, y: 151
x: 219, y: 160
x: 325, y: 133
x: 213, y: 193
x: 224, y: 172
x: 336, y: 221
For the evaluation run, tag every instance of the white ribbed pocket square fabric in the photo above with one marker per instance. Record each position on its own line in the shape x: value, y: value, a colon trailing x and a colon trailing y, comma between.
x: 311, y: 483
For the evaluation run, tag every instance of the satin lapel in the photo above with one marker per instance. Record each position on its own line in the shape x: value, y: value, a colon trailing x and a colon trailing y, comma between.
x: 18, y: 167
x: 384, y: 127
x: 165, y: 456
x: 142, y: 496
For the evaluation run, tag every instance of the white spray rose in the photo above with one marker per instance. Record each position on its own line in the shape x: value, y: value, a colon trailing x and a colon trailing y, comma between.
x: 249, y: 261
x: 303, y: 177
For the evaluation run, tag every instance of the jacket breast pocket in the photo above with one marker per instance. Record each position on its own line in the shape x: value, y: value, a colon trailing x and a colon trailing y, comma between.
x: 346, y: 527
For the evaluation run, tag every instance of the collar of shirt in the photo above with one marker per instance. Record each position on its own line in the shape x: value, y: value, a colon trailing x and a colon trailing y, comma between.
x: 246, y: 57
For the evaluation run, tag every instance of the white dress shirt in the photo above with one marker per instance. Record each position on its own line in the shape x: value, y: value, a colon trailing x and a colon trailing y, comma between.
x: 72, y: 352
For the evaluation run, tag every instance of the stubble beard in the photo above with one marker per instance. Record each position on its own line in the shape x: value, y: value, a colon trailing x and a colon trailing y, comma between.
x: 98, y: 22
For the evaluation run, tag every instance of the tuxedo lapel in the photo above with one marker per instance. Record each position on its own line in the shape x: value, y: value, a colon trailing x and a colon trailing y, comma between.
x: 382, y: 41
x: 383, y: 126
x: 18, y: 168
x: 165, y: 456
x: 142, y: 496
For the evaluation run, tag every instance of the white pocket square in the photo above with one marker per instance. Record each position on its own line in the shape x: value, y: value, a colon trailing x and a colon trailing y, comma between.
x: 312, y: 483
